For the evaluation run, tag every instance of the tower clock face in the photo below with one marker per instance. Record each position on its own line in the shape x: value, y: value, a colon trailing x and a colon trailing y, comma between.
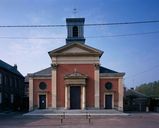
x: 108, y: 85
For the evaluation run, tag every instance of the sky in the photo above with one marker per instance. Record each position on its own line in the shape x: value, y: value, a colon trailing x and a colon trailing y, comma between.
x: 137, y: 56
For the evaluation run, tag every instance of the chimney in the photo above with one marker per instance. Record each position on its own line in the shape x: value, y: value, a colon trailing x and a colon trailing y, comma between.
x: 15, y: 66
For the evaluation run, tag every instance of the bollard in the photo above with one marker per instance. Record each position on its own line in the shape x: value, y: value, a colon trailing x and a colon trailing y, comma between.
x: 64, y: 115
x: 89, y: 118
x: 86, y: 115
x: 61, y: 118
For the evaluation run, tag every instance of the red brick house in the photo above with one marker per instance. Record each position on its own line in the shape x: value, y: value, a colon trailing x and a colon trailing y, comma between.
x: 75, y: 79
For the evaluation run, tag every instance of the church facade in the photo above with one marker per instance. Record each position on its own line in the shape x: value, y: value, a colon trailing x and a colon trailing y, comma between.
x: 76, y: 80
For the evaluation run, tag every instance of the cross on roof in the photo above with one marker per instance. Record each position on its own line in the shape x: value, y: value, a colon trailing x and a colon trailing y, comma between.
x: 74, y: 11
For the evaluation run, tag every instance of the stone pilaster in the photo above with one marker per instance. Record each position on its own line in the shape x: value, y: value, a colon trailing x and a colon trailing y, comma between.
x: 30, y: 93
x: 96, y: 85
x: 83, y: 97
x: 54, y: 85
x: 121, y: 93
x: 66, y: 97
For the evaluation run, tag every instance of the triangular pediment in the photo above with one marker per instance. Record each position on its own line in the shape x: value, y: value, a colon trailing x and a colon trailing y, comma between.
x: 75, y: 49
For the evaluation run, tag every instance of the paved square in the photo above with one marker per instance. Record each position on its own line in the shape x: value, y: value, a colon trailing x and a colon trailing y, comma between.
x: 140, y: 120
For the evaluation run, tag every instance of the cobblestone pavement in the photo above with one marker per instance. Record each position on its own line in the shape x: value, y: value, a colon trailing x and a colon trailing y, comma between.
x: 138, y: 120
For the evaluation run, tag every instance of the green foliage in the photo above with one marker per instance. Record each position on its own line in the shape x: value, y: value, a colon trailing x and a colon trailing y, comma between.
x: 149, y: 89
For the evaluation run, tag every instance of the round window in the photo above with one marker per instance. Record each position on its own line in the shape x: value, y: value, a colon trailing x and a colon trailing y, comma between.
x: 108, y: 85
x: 42, y: 85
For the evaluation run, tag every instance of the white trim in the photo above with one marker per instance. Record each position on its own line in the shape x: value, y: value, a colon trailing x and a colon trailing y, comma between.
x: 109, y: 93
x: 75, y: 60
x: 46, y: 95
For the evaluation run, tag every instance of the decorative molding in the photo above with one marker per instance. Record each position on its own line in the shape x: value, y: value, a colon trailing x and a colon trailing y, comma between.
x: 54, y: 66
x: 112, y: 75
x: 97, y: 66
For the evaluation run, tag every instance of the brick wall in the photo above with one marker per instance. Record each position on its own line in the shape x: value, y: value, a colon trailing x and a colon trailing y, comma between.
x: 103, y: 90
x: 87, y: 69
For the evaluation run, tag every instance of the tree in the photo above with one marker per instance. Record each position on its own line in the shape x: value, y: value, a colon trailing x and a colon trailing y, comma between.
x: 149, y: 89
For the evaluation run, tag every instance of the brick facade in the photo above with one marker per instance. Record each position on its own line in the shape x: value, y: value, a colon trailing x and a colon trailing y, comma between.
x: 76, y: 66
x: 64, y: 69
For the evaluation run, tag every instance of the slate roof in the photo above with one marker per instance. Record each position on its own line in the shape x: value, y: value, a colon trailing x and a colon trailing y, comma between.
x: 134, y: 93
x: 47, y: 71
x: 44, y: 72
x: 9, y: 68
x: 106, y: 70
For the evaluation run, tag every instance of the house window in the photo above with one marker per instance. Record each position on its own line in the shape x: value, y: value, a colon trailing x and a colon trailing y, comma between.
x: 12, y: 98
x: 0, y: 78
x: 15, y: 83
x: 75, y: 31
x: 5, y: 80
x: 10, y: 81
x: 0, y: 97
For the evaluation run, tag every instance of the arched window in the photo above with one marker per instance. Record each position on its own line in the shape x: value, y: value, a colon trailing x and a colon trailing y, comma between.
x: 42, y: 85
x: 75, y: 31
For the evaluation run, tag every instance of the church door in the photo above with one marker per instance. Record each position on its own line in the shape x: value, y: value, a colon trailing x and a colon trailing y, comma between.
x: 42, y: 101
x: 75, y: 97
x: 108, y: 101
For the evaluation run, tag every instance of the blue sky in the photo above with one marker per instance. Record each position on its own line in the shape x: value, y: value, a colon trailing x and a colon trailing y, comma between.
x: 137, y: 56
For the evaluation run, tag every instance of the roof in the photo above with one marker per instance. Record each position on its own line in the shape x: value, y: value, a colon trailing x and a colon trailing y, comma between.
x: 47, y: 72
x: 9, y: 68
x: 75, y: 19
x: 134, y: 93
x: 106, y: 70
x: 44, y: 72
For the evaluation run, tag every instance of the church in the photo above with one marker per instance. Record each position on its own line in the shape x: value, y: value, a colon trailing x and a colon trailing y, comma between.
x: 76, y: 79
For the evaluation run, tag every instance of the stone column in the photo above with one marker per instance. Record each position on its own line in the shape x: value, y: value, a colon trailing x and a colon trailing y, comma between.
x: 121, y: 94
x: 96, y: 85
x: 66, y: 97
x: 83, y: 97
x: 54, y: 84
x: 30, y: 93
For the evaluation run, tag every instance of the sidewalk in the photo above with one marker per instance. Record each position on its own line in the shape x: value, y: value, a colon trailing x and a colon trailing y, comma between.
x: 52, y: 112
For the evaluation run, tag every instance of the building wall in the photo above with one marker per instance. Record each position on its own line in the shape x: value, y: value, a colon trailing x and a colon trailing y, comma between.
x: 37, y: 91
x: 11, y: 91
x: 87, y: 69
x: 104, y: 91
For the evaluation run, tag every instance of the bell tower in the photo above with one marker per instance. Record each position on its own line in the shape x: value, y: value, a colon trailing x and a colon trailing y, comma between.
x: 75, y: 30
